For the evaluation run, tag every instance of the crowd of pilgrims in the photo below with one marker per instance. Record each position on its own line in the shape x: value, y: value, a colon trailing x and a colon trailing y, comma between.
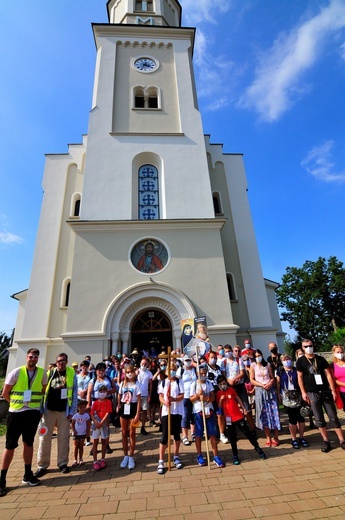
x: 234, y: 388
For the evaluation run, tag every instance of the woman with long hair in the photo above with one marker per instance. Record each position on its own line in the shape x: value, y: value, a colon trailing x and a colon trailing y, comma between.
x: 338, y: 368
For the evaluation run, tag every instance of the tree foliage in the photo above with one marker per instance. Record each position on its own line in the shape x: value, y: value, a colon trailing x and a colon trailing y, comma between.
x: 313, y: 299
x: 5, y: 343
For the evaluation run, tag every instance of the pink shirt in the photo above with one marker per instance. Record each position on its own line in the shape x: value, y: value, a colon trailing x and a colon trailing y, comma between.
x: 262, y: 374
x: 339, y: 373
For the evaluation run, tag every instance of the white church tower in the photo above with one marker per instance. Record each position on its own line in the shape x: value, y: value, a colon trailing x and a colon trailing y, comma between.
x: 145, y: 223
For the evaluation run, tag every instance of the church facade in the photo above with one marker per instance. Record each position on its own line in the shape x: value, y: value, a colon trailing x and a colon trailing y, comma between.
x: 145, y: 223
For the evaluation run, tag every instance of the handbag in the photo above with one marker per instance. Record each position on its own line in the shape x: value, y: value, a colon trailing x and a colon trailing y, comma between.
x: 291, y: 398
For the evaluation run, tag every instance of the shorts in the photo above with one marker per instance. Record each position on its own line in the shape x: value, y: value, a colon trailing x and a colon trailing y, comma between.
x: 22, y: 424
x: 79, y: 437
x: 132, y: 413
x: 102, y: 432
x: 143, y: 402
x: 211, y: 425
x: 175, y: 428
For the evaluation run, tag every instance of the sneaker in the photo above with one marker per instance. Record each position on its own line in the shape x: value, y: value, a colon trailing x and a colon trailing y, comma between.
x: 326, y: 447
x: 201, y: 461
x: 223, y: 438
x: 124, y: 463
x: 3, y: 489
x: 261, y: 453
x: 64, y: 469
x: 31, y: 479
x: 89, y: 443
x: 143, y: 431
x: 109, y: 451
x: 131, y: 463
x: 342, y: 445
x: 102, y: 464
x: 218, y: 461
x: 160, y: 468
x: 235, y: 461
x: 40, y: 472
x: 96, y: 465
x: 75, y: 463
x: 178, y: 463
x: 185, y: 441
x: 193, y: 437
x: 81, y: 462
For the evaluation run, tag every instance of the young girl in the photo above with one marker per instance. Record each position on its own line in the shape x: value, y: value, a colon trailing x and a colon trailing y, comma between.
x: 100, y: 414
x: 129, y: 400
x: 81, y: 429
x: 170, y: 395
x: 234, y: 412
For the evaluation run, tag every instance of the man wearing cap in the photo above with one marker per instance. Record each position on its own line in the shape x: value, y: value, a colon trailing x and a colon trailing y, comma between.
x: 75, y: 366
x: 60, y: 404
x: 24, y: 389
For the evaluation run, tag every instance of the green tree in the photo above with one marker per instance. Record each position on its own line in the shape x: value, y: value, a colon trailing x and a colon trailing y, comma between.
x: 5, y: 343
x: 313, y: 299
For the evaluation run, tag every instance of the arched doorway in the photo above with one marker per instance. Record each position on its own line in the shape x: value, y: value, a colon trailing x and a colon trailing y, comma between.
x: 151, y: 328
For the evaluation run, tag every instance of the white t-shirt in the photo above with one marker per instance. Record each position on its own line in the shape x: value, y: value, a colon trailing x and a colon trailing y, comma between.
x: 144, y: 378
x: 129, y: 392
x: 11, y: 380
x: 176, y: 388
x: 188, y: 376
x: 207, y: 388
x: 80, y: 422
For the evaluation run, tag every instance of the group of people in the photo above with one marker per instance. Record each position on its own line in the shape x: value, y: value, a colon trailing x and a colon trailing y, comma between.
x: 211, y: 396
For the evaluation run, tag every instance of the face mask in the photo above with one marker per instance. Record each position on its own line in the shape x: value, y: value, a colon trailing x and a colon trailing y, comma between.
x: 130, y: 376
x: 274, y: 350
x: 339, y: 355
x: 287, y: 363
x: 246, y: 362
x: 227, y: 354
x: 247, y: 345
x: 187, y: 363
x: 202, y: 378
x: 223, y: 386
x: 259, y: 359
x: 212, y: 361
x: 221, y: 352
x: 309, y: 350
x: 163, y: 367
x: 144, y: 368
x: 102, y: 395
x: 172, y: 373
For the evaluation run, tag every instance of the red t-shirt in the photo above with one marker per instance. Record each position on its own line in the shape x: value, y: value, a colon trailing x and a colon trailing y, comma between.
x: 229, y: 404
x: 102, y: 407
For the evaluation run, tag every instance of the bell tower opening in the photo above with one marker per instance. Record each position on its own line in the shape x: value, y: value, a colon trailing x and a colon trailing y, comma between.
x: 150, y: 329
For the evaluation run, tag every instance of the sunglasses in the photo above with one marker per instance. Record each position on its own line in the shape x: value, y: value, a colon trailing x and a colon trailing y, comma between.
x: 33, y: 357
x: 61, y: 360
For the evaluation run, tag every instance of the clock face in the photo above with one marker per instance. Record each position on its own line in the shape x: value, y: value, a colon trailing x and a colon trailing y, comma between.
x: 145, y: 65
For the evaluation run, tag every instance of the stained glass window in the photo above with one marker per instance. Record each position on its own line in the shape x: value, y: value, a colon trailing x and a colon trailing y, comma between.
x: 148, y: 193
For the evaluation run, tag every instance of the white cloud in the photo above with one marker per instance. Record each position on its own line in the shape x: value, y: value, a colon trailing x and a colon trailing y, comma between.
x: 10, y: 238
x: 277, y: 78
x: 196, y: 12
x: 319, y: 163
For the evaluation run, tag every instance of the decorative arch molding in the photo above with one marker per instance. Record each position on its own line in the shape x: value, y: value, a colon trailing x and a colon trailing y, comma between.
x: 135, y: 299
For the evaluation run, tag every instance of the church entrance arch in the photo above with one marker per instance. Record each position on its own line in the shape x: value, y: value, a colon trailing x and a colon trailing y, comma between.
x: 151, y: 329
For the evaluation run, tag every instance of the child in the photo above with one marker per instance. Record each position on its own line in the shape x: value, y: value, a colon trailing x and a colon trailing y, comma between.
x: 129, y: 401
x: 100, y: 413
x: 202, y: 391
x: 81, y: 429
x: 170, y: 395
x: 231, y: 405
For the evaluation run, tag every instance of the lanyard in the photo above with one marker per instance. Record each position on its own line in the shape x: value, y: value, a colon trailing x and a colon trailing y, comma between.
x: 30, y: 379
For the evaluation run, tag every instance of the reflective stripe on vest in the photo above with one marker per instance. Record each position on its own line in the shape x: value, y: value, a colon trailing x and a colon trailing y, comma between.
x: 17, y: 392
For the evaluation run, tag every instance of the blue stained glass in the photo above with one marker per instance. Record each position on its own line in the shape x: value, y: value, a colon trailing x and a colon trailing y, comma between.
x: 148, y: 193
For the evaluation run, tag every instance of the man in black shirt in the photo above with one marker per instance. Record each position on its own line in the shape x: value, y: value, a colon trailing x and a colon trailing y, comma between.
x: 318, y: 389
x: 274, y: 358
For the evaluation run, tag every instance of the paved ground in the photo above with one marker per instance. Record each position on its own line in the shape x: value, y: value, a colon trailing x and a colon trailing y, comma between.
x: 291, y: 484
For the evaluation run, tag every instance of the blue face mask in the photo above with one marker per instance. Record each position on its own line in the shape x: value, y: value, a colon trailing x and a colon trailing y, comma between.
x: 163, y: 367
x: 259, y: 359
x: 287, y: 363
x: 172, y: 373
x: 221, y: 352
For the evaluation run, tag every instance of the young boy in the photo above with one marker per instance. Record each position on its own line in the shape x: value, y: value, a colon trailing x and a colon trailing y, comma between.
x: 232, y: 405
x: 100, y: 413
x: 202, y: 391
x: 81, y: 429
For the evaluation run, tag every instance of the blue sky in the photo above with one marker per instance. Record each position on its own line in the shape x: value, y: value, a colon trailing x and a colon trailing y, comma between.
x: 270, y: 77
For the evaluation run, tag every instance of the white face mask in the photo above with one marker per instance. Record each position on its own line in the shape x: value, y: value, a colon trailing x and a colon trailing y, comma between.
x: 309, y: 350
x: 187, y: 363
x: 130, y: 376
x: 144, y: 368
x: 339, y: 355
x: 102, y: 395
x: 259, y: 359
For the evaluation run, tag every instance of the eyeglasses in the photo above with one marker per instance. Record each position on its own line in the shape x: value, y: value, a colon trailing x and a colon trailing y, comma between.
x: 33, y: 357
x: 61, y: 360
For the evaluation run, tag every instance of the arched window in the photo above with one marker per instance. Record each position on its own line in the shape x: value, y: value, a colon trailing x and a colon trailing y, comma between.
x: 146, y: 97
x: 148, y: 192
x: 65, y: 293
x: 217, y: 205
x: 231, y: 287
x: 144, y: 5
x: 74, y: 211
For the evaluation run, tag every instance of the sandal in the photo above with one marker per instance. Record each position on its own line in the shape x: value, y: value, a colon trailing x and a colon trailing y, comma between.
x: 81, y: 462
x: 75, y: 463
x: 268, y: 443
x: 185, y: 441
x: 295, y: 444
x: 303, y: 443
x: 275, y: 442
